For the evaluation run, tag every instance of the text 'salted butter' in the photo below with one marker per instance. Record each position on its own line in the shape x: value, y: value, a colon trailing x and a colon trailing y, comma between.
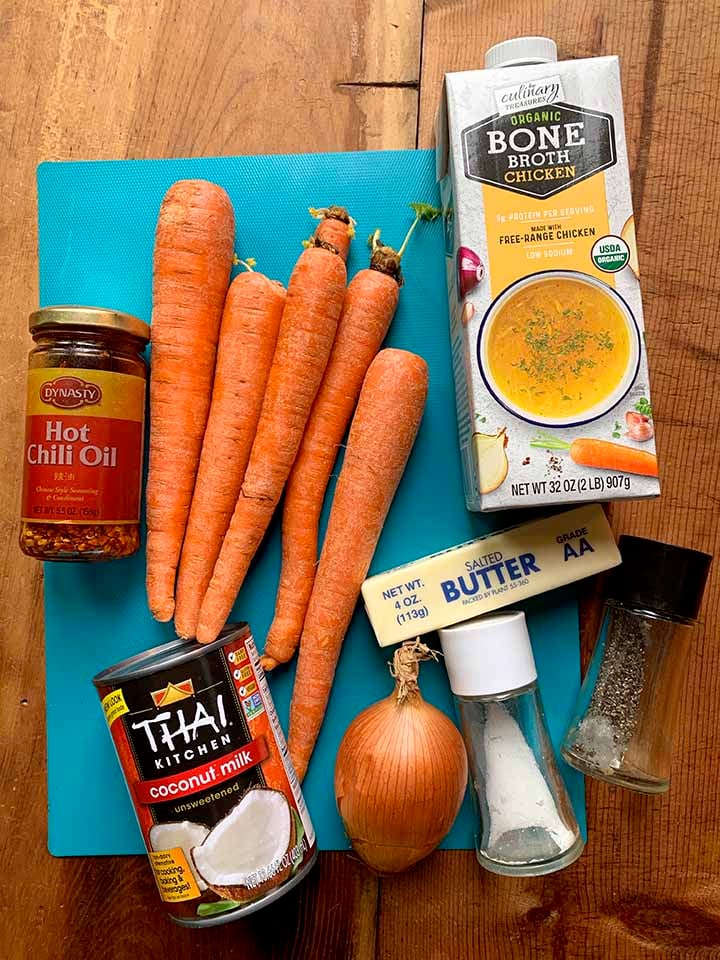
x: 494, y: 571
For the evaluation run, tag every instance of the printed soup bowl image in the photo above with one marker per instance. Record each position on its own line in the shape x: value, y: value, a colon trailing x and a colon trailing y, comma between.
x: 559, y: 348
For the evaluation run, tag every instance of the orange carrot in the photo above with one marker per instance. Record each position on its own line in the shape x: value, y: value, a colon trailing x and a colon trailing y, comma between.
x: 335, y: 230
x: 369, y: 307
x: 381, y: 437
x: 248, y: 334
x: 602, y: 454
x: 613, y: 456
x: 191, y: 268
x: 307, y: 330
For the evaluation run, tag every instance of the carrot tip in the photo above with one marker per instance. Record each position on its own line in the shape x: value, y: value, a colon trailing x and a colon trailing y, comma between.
x: 386, y: 260
x: 333, y: 212
x: 268, y: 663
x: 205, y: 634
x: 163, y: 613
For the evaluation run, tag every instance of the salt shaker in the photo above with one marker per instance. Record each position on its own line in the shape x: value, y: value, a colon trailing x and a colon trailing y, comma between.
x: 526, y: 824
x: 627, y: 708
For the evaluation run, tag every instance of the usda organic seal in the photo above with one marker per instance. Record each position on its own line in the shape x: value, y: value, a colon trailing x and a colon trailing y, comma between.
x: 610, y: 254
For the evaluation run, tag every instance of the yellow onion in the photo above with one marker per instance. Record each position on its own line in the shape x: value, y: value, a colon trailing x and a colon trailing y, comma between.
x: 401, y: 772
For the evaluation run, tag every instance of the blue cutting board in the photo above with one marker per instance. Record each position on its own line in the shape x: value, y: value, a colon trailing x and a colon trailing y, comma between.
x: 96, y: 226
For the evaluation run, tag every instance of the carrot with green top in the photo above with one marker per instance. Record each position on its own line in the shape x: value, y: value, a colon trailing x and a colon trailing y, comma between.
x: 246, y: 347
x: 307, y: 331
x: 603, y: 454
x: 370, y: 303
x: 381, y: 438
x: 191, y: 269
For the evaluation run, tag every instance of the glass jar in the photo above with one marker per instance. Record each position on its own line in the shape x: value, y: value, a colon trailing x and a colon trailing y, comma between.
x: 625, y: 717
x: 526, y: 824
x: 84, y: 434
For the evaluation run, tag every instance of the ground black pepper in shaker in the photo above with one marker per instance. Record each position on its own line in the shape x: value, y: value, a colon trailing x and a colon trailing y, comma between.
x: 626, y: 711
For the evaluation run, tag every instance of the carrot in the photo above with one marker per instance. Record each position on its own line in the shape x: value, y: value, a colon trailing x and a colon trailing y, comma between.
x: 191, y: 268
x: 335, y: 230
x: 307, y: 330
x: 381, y: 437
x: 248, y: 334
x: 603, y: 455
x: 613, y: 456
x: 369, y: 307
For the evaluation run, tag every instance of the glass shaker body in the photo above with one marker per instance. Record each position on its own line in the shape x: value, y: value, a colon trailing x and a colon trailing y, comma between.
x: 627, y: 709
x: 526, y: 824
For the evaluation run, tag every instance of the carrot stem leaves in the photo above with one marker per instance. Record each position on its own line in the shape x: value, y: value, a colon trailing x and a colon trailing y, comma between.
x: 249, y: 263
x: 423, y: 212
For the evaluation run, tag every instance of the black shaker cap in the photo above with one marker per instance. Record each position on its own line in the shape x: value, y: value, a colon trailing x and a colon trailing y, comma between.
x: 660, y: 578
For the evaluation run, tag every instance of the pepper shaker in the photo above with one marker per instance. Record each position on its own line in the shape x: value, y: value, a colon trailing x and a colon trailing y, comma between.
x: 526, y: 824
x: 627, y: 708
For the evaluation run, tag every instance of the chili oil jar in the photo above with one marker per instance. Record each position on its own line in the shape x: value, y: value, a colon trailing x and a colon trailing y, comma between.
x: 84, y: 434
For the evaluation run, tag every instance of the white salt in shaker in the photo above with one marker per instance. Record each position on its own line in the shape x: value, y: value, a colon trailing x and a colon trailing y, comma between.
x: 526, y: 824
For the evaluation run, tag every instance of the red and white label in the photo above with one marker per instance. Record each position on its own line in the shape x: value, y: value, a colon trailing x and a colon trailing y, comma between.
x: 83, y: 447
x: 203, y: 777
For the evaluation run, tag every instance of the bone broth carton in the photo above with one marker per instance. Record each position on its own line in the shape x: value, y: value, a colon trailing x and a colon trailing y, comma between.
x: 547, y: 336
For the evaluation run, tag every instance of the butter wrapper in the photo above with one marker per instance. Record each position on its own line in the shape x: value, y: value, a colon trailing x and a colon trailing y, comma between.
x: 494, y: 571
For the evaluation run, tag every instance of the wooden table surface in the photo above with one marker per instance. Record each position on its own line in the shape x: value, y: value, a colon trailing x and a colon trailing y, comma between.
x: 124, y: 78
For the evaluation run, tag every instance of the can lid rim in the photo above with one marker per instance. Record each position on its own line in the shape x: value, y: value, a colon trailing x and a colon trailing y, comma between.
x: 175, y: 652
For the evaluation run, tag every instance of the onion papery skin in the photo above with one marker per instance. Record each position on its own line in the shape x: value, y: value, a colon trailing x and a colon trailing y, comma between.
x: 400, y: 778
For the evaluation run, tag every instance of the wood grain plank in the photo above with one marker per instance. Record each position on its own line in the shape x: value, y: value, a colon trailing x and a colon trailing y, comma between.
x: 457, y: 35
x: 98, y: 79
x: 648, y: 884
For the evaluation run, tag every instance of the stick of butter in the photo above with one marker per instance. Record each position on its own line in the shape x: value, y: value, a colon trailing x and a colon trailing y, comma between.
x: 494, y: 571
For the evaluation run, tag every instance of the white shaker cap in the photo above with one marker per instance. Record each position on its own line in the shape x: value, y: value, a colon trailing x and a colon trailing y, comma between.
x: 521, y: 50
x: 488, y: 655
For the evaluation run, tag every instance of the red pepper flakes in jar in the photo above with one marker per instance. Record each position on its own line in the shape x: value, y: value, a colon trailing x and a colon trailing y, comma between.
x: 84, y: 434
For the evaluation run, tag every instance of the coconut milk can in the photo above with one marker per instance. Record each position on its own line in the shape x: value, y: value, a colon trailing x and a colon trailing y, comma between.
x: 206, y: 764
